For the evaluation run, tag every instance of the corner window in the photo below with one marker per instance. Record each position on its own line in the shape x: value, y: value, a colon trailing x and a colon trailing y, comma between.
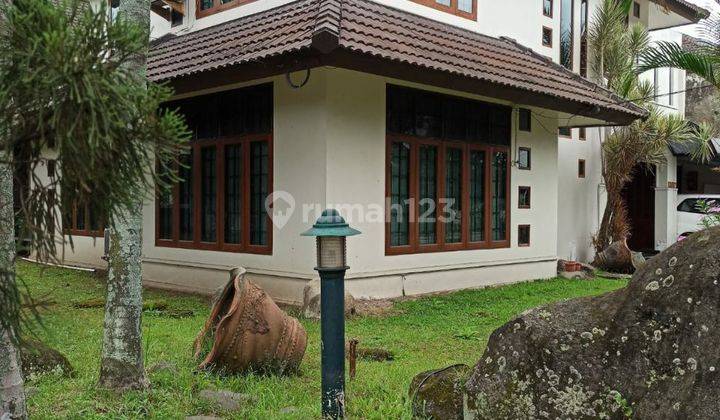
x: 219, y: 204
x: 462, y: 8
x: 448, y: 173
x: 210, y: 7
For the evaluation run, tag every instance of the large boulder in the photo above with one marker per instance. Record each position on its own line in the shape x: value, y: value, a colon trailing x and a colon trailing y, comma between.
x: 311, y: 301
x: 650, y: 350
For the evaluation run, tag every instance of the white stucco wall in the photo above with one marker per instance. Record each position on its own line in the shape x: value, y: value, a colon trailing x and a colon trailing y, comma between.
x: 329, y: 149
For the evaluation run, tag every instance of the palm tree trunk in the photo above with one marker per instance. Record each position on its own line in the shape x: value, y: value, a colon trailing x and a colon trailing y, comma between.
x: 122, y: 366
x: 12, y: 392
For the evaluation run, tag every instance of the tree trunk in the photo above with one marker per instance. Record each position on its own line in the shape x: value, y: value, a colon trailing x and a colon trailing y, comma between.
x: 12, y: 393
x: 122, y: 365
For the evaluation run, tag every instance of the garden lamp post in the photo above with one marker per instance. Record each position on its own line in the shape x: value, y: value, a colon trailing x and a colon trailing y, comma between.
x: 330, y: 231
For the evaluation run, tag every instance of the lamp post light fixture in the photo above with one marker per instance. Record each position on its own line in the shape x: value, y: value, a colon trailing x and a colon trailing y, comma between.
x: 331, y: 231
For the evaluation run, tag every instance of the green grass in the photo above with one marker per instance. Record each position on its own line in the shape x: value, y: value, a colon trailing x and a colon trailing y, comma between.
x: 424, y: 334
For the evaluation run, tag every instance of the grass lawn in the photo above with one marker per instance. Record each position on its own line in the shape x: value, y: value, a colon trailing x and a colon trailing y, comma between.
x: 424, y: 334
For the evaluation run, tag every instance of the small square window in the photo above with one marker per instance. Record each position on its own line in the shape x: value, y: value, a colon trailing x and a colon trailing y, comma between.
x: 582, y: 135
x: 524, y: 158
x: 581, y: 168
x: 636, y: 9
x: 524, y: 235
x: 548, y: 8
x: 524, y: 197
x: 565, y: 132
x: 547, y: 35
x: 524, y: 117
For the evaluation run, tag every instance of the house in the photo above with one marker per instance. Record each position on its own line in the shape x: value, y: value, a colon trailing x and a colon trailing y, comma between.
x: 432, y: 125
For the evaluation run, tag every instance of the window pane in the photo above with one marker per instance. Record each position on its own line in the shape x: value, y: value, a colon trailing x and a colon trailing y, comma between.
x: 465, y: 5
x: 208, y: 194
x: 233, y: 194
x: 80, y: 217
x: 443, y: 2
x: 206, y: 4
x: 566, y: 33
x: 499, y: 196
x: 547, y: 7
x: 185, y: 196
x: 477, y: 196
x: 400, y: 194
x: 428, y: 194
x: 453, y: 195
x: 259, y: 187
x: 165, y: 207
x: 94, y: 219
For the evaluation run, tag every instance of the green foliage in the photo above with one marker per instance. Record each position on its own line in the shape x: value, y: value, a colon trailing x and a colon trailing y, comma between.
x: 711, y: 209
x: 420, y: 333
x: 66, y: 92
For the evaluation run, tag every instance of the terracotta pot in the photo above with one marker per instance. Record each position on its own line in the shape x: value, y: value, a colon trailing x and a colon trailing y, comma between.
x: 249, y: 332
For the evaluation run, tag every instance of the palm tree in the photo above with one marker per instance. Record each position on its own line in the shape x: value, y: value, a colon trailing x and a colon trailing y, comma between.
x: 703, y: 60
x: 615, y: 50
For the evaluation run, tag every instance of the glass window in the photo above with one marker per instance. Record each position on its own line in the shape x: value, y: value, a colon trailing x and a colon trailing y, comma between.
x: 464, y: 8
x: 460, y: 175
x: 566, y: 33
x: 547, y: 36
x: 548, y: 8
x: 226, y: 176
x: 524, y: 197
x: 524, y: 158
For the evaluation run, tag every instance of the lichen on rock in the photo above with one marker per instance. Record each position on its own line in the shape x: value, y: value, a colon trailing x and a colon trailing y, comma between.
x: 645, y: 351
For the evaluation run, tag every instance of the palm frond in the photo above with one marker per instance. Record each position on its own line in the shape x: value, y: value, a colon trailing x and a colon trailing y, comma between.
x: 671, y: 54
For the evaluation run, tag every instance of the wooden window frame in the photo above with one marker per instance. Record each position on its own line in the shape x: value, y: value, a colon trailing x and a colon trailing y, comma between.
x: 219, y: 245
x: 582, y: 168
x: 452, y: 9
x: 552, y: 5
x: 529, y: 151
x: 542, y: 37
x: 74, y: 231
x: 218, y: 7
x: 529, y: 191
x: 523, y: 244
x: 414, y: 246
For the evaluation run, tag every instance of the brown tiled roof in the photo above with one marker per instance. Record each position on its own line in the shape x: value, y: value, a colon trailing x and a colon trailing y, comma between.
x: 684, y: 8
x: 361, y: 30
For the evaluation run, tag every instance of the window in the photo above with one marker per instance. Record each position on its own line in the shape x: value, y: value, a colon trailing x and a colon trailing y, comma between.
x: 448, y: 171
x: 524, y: 235
x: 81, y: 220
x: 219, y: 204
x: 636, y: 9
x: 51, y: 165
x: 463, y: 8
x: 524, y: 120
x: 565, y: 132
x: 209, y: 7
x: 566, y: 33
x: 581, y: 168
x: 582, y: 135
x: 524, y: 197
x: 548, y: 8
x: 547, y: 36
x: 524, y: 158
x: 113, y: 8
x: 583, y: 37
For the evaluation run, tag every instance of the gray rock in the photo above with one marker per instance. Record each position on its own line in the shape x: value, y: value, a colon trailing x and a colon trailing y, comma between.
x: 227, y: 400
x: 39, y: 358
x: 649, y: 351
x: 438, y: 394
x: 311, y: 301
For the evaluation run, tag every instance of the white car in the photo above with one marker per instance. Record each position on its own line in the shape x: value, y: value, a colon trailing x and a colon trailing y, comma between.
x: 689, y: 213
